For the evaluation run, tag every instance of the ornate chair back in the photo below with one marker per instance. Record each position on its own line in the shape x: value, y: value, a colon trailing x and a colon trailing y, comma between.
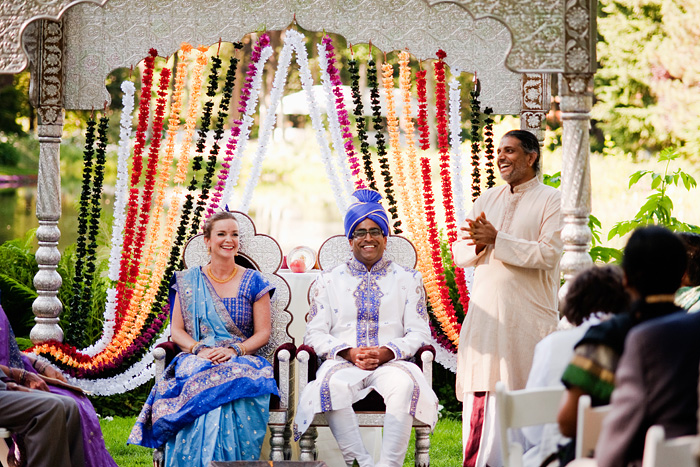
x: 263, y: 253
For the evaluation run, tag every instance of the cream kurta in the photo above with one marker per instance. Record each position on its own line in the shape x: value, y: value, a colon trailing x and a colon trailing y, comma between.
x: 353, y: 307
x: 513, y: 301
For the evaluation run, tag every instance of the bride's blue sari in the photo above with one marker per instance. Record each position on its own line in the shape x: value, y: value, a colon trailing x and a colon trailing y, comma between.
x: 201, y: 411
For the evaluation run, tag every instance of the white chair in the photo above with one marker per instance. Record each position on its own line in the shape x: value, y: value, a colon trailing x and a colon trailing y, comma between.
x: 263, y: 253
x: 589, y: 421
x: 660, y: 452
x: 370, y: 411
x: 518, y: 409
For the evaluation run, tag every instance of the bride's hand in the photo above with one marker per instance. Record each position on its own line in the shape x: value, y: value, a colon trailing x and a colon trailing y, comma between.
x: 217, y: 354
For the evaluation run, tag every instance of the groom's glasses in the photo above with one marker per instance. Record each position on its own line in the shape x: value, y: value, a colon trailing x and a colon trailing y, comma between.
x: 361, y: 233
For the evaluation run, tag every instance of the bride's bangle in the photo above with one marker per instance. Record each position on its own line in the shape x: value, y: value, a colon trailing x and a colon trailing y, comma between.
x: 197, y: 348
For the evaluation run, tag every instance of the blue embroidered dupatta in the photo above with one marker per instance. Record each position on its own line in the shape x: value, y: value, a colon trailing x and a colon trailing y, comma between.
x: 204, y: 411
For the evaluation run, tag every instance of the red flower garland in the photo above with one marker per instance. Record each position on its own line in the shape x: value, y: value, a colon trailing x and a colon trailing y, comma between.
x: 149, y: 184
x: 137, y: 168
x: 422, y: 120
x: 453, y: 326
x: 444, y: 148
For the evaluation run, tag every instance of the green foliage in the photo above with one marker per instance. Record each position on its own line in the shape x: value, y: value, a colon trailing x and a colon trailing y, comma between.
x: 128, y: 404
x: 659, y: 206
x: 9, y: 155
x: 553, y: 180
x: 598, y: 252
x: 18, y: 267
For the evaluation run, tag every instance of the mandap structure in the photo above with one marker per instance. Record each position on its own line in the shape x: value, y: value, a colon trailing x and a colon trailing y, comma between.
x: 70, y: 46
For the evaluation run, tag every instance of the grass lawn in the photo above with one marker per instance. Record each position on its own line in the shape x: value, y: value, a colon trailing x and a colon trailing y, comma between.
x: 445, y: 444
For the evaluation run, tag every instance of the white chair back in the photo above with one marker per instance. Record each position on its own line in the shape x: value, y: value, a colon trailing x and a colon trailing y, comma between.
x: 336, y: 250
x: 589, y: 421
x: 525, y: 407
x: 660, y: 452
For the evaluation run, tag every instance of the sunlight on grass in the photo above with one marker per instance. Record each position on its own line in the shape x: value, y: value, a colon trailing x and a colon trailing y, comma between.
x: 445, y: 444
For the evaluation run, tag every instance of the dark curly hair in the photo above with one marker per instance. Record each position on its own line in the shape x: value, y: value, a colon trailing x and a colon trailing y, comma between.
x: 692, y: 247
x: 654, y: 261
x: 598, y: 289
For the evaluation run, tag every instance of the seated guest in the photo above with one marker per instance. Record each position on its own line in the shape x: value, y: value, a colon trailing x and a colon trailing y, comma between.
x: 653, y: 263
x: 96, y: 454
x: 688, y: 296
x: 367, y: 317
x: 656, y: 383
x: 593, y: 295
x: 212, y: 403
x: 49, y: 423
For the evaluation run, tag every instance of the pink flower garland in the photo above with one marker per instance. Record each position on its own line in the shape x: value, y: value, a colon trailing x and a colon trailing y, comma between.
x: 263, y: 41
x: 343, y: 119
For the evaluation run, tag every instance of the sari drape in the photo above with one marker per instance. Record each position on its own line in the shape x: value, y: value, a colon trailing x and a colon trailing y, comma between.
x: 202, y: 411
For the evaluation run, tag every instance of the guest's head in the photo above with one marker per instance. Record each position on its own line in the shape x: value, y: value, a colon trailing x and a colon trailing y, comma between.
x: 518, y: 157
x: 654, y: 261
x: 367, y: 227
x: 221, y: 235
x: 691, y: 278
x: 598, y: 289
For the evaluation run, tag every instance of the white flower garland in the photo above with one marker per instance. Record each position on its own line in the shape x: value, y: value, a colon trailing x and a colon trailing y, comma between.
x: 456, y: 142
x: 246, y: 122
x: 333, y: 122
x: 444, y: 357
x: 268, y: 124
x: 307, y: 84
x: 120, y: 199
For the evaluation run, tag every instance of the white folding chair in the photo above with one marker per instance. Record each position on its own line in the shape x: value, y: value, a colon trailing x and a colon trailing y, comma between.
x: 589, y: 421
x: 660, y: 452
x: 525, y: 407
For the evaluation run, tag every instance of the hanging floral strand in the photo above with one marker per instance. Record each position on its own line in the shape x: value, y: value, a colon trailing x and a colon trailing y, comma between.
x: 120, y: 199
x: 373, y: 83
x: 94, y: 224
x: 476, y: 124
x: 360, y: 122
x: 221, y: 117
x: 240, y: 129
x: 444, y: 312
x: 341, y: 112
x: 488, y: 141
x: 422, y: 121
x: 123, y: 286
x: 74, y: 327
x: 456, y: 149
x: 146, y: 200
x: 307, y: 84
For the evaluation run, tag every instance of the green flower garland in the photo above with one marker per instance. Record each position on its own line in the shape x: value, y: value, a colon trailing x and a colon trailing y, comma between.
x: 361, y: 123
x: 488, y: 140
x: 381, y: 143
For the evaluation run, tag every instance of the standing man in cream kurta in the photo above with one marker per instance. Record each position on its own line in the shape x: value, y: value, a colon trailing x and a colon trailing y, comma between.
x: 512, y: 238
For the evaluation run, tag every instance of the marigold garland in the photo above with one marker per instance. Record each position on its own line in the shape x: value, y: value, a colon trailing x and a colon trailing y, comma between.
x: 488, y: 141
x: 361, y: 123
x: 372, y: 82
x: 392, y: 123
x: 221, y: 116
x: 475, y: 119
x: 444, y: 313
x: 123, y: 286
x: 146, y: 201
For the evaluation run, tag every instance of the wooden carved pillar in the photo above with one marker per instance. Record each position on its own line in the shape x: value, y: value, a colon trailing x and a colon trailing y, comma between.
x: 576, y: 91
x: 48, y: 78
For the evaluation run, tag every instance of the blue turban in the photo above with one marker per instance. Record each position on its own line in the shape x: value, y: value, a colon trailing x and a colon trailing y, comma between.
x: 366, y: 206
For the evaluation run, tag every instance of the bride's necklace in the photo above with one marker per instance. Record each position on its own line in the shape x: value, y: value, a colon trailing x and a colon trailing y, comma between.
x: 222, y: 281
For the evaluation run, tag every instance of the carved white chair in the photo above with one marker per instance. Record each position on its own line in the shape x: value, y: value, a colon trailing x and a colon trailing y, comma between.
x: 370, y: 410
x: 589, y: 421
x: 660, y: 452
x: 525, y: 407
x: 263, y: 253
